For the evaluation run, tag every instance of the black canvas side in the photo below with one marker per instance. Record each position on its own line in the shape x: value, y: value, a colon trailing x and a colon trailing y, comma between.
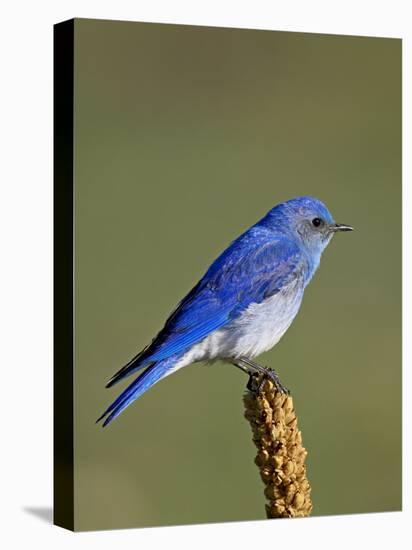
x: 63, y: 274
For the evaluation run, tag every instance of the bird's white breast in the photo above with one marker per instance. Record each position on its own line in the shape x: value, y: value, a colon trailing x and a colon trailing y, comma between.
x: 255, y: 331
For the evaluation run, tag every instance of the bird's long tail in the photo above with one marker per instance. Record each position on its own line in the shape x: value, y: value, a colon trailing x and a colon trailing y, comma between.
x: 150, y: 376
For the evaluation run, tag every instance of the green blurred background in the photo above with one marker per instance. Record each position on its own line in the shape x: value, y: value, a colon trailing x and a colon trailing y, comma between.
x: 184, y: 137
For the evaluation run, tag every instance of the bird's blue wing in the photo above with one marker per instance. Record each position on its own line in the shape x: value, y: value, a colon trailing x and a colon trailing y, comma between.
x: 252, y: 268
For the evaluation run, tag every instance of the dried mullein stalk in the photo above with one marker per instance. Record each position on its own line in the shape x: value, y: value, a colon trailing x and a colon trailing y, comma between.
x: 281, y: 456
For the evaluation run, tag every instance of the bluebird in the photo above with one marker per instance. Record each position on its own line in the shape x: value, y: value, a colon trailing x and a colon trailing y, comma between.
x: 244, y: 303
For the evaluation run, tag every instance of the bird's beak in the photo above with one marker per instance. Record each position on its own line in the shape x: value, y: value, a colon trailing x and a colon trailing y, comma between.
x: 340, y: 227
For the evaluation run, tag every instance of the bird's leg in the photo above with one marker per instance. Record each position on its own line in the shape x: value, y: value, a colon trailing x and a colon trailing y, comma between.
x: 254, y: 370
x: 253, y: 382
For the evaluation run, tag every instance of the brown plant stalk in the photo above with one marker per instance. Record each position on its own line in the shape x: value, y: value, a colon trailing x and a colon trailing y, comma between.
x: 281, y: 456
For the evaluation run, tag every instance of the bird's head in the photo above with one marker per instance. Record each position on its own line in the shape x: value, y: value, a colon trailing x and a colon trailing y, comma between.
x: 308, y: 219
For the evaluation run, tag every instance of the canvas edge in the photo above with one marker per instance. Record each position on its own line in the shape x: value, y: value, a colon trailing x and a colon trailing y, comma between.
x: 63, y: 263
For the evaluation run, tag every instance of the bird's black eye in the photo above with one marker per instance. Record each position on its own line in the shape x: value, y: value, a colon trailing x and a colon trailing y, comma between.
x: 317, y: 222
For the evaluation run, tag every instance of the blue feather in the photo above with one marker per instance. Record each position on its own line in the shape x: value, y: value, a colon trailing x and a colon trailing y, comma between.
x: 149, y: 377
x: 251, y: 269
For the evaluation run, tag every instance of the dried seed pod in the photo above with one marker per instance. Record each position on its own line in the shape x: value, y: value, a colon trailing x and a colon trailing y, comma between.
x: 281, y: 456
x: 298, y: 500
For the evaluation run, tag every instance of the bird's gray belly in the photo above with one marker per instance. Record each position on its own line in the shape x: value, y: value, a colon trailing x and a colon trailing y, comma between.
x: 255, y: 331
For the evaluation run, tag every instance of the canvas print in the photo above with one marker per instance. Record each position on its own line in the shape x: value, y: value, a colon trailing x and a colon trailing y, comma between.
x: 227, y: 274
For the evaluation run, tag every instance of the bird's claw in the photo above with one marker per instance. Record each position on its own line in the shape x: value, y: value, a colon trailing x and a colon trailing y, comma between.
x: 257, y: 380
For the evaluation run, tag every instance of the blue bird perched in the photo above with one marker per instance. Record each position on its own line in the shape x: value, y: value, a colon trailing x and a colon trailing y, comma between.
x: 244, y: 303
